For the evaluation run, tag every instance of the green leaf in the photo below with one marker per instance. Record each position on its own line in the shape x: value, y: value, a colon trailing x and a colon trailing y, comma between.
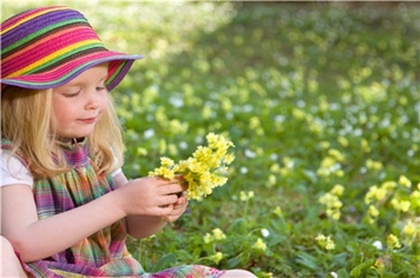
x: 165, y: 261
x: 358, y: 270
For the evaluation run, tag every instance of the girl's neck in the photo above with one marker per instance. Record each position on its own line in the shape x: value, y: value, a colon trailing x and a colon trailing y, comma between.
x: 70, y: 140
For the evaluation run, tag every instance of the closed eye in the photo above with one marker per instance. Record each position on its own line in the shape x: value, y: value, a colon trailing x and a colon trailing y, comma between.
x: 70, y: 95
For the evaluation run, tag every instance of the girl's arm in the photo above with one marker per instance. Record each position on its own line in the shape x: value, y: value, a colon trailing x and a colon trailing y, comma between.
x: 36, y: 239
x: 144, y: 226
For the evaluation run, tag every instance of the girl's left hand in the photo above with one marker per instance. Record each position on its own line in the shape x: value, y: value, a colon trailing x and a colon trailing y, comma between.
x: 178, y: 209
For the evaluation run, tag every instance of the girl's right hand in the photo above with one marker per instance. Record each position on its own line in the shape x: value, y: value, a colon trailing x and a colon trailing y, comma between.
x: 149, y: 196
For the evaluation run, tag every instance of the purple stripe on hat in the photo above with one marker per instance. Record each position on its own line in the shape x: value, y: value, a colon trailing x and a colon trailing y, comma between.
x: 119, y: 77
x: 39, y: 23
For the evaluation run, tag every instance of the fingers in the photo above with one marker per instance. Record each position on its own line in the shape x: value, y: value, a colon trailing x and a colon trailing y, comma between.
x: 170, y: 188
x: 180, y: 202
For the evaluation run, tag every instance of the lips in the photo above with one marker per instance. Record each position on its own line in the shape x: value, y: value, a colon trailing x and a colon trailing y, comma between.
x: 87, y: 120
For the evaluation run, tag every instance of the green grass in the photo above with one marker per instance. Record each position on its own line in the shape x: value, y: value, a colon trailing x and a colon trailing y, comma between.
x: 293, y: 86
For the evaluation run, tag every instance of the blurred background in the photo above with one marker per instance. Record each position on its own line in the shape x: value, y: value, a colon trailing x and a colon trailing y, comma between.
x: 322, y: 102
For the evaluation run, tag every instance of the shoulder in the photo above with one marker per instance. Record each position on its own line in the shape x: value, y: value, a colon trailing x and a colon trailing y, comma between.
x: 14, y: 167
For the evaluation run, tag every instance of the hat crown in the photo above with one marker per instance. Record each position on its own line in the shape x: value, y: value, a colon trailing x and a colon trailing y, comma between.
x: 41, y: 39
x: 47, y: 47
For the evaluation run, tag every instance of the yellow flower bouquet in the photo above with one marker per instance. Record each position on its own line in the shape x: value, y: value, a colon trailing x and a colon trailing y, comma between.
x: 204, y: 170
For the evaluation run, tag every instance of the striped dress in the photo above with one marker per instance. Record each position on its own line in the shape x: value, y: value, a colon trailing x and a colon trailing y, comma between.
x: 103, y: 254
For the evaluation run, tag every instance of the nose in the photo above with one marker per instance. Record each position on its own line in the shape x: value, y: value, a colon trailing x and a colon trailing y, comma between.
x: 93, y: 100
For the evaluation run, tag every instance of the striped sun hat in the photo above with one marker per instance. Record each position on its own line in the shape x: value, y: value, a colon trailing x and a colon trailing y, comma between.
x: 47, y: 47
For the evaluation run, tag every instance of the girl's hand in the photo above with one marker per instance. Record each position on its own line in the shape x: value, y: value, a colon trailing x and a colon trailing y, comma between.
x: 179, y: 208
x: 151, y: 197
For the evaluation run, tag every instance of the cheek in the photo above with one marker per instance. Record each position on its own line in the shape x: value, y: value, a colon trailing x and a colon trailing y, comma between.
x: 104, y: 104
x: 60, y: 112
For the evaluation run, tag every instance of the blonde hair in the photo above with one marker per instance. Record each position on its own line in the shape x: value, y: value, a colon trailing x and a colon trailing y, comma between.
x: 26, y: 117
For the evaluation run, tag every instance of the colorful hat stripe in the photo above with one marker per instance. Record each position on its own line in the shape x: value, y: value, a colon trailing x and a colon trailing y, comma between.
x: 29, y: 39
x: 47, y: 47
x: 33, y: 46
x: 54, y: 57
x: 21, y: 18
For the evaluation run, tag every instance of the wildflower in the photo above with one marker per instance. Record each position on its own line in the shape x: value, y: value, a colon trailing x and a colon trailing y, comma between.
x: 277, y: 211
x: 271, y: 180
x: 298, y: 114
x: 208, y: 238
x: 404, y: 181
x: 374, y: 165
x: 245, y: 196
x: 334, y: 274
x: 332, y: 204
x: 373, y: 211
x: 330, y: 165
x: 389, y: 185
x: 409, y: 228
x: 378, y: 245
x: 243, y: 170
x: 379, y: 263
x: 216, y: 258
x: 365, y: 146
x: 402, y: 206
x: 218, y: 234
x: 336, y: 154
x: 266, y: 275
x: 344, y: 142
x: 204, y: 170
x: 260, y: 245
x: 325, y: 144
x: 265, y: 232
x: 325, y: 242
x: 375, y: 194
x: 337, y: 190
x: 393, y: 241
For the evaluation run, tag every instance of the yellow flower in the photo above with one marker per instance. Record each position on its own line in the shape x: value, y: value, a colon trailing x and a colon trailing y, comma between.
x: 325, y: 242
x: 375, y: 194
x: 332, y: 204
x: 218, y: 234
x: 245, y: 196
x: 204, y: 170
x: 260, y: 245
x: 208, y: 238
x: 344, y: 142
x: 389, y: 185
x: 402, y: 206
x: 365, y: 146
x: 374, y: 165
x: 277, y: 211
x: 337, y: 190
x: 409, y: 228
x: 336, y: 154
x: 404, y: 181
x: 216, y: 258
x: 393, y: 241
x: 272, y: 180
x: 373, y: 211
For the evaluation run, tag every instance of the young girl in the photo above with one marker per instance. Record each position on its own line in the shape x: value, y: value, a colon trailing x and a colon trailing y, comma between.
x: 66, y: 205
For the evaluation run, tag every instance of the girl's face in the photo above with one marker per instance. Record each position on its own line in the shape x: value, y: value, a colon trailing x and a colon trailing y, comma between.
x: 79, y: 104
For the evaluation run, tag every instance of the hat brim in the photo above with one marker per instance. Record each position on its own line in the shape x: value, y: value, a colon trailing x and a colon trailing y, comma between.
x: 119, y: 64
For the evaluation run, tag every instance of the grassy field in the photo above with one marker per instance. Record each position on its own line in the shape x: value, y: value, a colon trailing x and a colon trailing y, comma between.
x: 322, y: 102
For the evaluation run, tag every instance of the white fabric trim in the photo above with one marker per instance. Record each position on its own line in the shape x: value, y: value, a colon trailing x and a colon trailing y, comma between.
x: 13, y: 171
